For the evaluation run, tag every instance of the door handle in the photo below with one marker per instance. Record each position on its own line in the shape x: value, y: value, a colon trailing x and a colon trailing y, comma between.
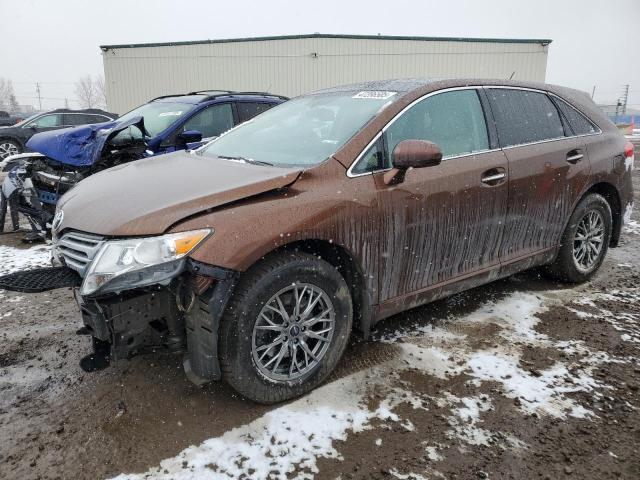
x: 574, y: 156
x: 493, y: 177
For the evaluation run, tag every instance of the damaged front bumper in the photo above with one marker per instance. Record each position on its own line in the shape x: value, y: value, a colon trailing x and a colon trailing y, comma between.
x: 183, y: 316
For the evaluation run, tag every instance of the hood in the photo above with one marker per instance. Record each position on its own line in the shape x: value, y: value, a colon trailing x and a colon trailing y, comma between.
x: 148, y: 196
x: 80, y: 146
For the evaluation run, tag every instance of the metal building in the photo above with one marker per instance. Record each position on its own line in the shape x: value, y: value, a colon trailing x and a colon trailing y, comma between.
x: 291, y: 65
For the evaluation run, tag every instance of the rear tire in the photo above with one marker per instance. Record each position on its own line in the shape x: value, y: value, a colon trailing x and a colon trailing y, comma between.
x: 585, y: 241
x: 269, y: 356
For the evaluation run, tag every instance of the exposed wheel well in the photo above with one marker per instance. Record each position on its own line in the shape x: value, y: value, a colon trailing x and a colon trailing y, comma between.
x: 350, y: 270
x: 610, y: 193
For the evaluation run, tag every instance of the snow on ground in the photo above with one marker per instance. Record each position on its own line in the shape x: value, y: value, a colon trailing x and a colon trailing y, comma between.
x: 628, y: 324
x: 632, y: 226
x: 287, y: 441
x: 15, y: 259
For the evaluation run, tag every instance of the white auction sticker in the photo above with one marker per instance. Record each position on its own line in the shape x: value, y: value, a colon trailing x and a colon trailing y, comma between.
x: 171, y: 114
x: 374, y: 94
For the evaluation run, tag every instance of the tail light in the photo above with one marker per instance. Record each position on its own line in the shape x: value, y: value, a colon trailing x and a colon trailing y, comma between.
x: 628, y: 150
x: 628, y: 156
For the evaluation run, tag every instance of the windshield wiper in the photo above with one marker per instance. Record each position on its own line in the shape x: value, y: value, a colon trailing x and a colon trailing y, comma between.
x: 245, y: 160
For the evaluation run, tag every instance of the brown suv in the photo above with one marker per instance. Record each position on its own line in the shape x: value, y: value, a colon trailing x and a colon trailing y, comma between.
x: 258, y: 254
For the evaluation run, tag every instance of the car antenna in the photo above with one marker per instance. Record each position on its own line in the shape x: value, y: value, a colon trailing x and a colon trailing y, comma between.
x: 511, y: 77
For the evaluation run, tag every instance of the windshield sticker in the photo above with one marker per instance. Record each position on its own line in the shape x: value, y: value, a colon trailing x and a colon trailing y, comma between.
x: 171, y: 114
x: 375, y: 95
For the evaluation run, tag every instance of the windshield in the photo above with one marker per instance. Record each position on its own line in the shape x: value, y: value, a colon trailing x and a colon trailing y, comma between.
x: 158, y: 116
x: 303, y: 131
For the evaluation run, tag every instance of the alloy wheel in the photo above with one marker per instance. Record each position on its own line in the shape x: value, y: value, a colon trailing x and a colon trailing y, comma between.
x: 8, y: 148
x: 293, y: 332
x: 589, y: 241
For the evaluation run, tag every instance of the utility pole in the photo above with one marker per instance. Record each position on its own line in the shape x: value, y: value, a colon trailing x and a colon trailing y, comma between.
x: 624, y: 99
x: 66, y: 102
x: 39, y: 97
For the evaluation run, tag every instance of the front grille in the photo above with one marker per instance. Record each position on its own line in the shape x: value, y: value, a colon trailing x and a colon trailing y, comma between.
x: 78, y: 250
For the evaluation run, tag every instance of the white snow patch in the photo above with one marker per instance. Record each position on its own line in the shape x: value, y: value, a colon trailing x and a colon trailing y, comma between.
x: 626, y: 216
x: 15, y: 259
x: 632, y: 227
x: 516, y: 313
x: 275, y: 445
x: 433, y: 454
x: 406, y: 476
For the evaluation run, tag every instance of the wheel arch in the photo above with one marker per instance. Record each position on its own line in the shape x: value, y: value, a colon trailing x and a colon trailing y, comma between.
x: 348, y: 266
x: 612, y: 196
x: 13, y: 139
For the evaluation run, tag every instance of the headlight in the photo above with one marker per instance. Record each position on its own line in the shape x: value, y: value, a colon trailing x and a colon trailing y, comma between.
x: 125, y: 264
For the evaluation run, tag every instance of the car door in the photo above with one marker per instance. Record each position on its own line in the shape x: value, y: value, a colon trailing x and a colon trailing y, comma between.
x: 548, y: 169
x: 446, y: 221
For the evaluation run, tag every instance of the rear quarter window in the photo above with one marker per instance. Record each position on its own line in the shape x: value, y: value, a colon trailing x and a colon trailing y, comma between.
x: 523, y: 116
x: 578, y: 123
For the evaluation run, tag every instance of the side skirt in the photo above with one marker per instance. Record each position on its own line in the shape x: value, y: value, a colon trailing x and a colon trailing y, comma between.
x: 451, y: 287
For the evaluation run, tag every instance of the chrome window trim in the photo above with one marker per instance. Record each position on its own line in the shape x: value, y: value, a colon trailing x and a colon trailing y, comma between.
x: 350, y: 173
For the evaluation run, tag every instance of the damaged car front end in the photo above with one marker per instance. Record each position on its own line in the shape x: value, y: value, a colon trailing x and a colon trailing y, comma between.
x: 144, y: 294
x: 36, y: 181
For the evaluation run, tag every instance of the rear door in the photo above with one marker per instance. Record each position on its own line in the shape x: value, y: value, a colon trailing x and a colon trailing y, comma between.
x: 547, y: 169
x: 441, y: 222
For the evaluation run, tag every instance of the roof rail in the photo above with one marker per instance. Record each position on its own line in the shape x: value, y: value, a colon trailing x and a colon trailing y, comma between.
x: 266, y: 94
x: 200, y: 92
x: 220, y: 93
x: 167, y: 96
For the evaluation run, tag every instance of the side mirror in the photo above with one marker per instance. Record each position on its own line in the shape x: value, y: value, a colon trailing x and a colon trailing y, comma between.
x: 189, y: 136
x: 412, y: 154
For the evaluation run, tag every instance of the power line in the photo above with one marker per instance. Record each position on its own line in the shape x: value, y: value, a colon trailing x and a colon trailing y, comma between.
x: 39, y: 97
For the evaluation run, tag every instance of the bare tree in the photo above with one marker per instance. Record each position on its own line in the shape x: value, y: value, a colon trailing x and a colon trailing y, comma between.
x: 86, y: 92
x: 13, y: 104
x: 6, y: 93
x: 101, y: 91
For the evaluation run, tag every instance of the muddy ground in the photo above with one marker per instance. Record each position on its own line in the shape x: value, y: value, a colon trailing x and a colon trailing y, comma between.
x: 524, y: 378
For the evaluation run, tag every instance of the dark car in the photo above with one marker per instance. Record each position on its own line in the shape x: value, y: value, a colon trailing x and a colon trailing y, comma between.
x: 257, y: 255
x: 163, y: 125
x: 14, y: 138
x: 7, y: 120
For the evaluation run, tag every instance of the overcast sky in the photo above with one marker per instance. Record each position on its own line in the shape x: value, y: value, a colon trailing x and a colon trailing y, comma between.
x: 54, y: 42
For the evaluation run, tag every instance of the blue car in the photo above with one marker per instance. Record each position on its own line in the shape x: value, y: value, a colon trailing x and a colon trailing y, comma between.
x: 61, y: 158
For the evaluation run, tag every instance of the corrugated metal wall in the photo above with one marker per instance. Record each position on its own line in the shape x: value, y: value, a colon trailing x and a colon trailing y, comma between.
x: 294, y: 66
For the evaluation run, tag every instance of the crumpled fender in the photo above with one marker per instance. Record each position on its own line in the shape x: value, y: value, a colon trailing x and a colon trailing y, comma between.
x: 80, y: 146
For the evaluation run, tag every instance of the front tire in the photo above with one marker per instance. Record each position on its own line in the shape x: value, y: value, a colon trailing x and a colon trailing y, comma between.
x: 585, y: 241
x: 286, y: 327
x: 9, y: 147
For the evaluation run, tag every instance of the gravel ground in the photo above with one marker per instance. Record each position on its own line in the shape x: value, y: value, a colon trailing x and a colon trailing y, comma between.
x: 523, y: 378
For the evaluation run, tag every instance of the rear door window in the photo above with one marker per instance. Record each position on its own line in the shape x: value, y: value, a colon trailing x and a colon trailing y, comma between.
x: 578, y: 123
x: 212, y: 121
x: 452, y: 120
x: 523, y: 116
x: 248, y: 110
x: 73, y: 119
